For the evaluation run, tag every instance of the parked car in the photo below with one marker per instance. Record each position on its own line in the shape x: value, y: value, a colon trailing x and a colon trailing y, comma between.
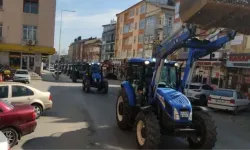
x: 18, y: 93
x: 227, y: 99
x: 52, y: 69
x: 198, y: 93
x: 22, y: 76
x: 16, y: 121
x: 4, y: 144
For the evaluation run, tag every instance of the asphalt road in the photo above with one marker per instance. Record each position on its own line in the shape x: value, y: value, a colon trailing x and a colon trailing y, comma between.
x: 80, y: 121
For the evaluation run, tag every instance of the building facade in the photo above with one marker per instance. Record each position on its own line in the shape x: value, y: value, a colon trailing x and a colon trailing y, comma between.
x: 26, y: 32
x: 130, y: 27
x: 159, y: 25
x: 85, y: 50
x: 140, y: 25
x: 108, y: 41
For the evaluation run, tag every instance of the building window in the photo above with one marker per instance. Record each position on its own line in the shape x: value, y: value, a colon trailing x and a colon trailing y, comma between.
x: 142, y: 24
x: 131, y: 13
x: 30, y: 6
x: 29, y: 32
x: 140, y: 39
x: 169, y: 21
x: 1, y: 3
x: 134, y: 39
x: 126, y: 28
x: 143, y: 9
x: 136, y: 26
x: 1, y: 29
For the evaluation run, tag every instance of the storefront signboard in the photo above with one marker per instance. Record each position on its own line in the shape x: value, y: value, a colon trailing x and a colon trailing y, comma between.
x: 239, y: 61
x: 209, y: 63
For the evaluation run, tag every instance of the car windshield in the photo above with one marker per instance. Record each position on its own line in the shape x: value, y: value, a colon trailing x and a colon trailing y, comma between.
x: 225, y: 93
x: 7, y: 103
x: 21, y: 72
x: 168, y: 76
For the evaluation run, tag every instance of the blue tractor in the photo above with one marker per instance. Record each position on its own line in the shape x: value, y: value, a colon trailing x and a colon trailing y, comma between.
x: 153, y: 99
x: 93, y: 77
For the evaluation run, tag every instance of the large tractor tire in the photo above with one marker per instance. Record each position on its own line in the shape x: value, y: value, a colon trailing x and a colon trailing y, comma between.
x: 86, y: 86
x: 148, y: 135
x: 105, y: 87
x: 123, y: 111
x: 206, y: 131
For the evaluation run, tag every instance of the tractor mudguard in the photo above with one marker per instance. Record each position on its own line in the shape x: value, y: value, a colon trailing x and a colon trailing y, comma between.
x: 200, y: 108
x: 130, y: 92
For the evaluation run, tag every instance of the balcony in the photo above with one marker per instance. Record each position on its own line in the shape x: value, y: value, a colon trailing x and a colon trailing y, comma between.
x: 159, y: 26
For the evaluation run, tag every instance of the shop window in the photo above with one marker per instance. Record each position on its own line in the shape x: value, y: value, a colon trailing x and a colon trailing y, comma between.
x: 15, y: 62
x: 31, y: 6
x: 29, y: 32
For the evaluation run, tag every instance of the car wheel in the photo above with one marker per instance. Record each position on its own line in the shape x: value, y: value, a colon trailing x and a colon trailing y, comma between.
x: 38, y: 110
x: 12, y: 136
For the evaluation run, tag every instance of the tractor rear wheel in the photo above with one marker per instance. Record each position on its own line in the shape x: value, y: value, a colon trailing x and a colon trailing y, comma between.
x: 206, y: 133
x: 147, y: 128
x: 105, y: 87
x: 123, y: 111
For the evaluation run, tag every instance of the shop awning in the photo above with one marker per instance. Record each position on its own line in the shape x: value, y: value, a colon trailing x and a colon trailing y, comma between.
x: 27, y: 49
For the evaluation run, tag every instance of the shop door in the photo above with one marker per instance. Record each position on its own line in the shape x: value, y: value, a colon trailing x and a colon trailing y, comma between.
x: 31, y: 63
x: 24, y: 62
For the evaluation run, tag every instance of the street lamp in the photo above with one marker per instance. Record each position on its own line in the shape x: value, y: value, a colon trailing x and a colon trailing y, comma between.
x: 60, y: 33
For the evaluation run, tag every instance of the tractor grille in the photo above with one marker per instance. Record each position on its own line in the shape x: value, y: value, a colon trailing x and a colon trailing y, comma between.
x: 182, y: 100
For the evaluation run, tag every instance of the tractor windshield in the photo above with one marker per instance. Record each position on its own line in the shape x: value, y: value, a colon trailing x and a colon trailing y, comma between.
x: 95, y: 68
x: 168, y: 76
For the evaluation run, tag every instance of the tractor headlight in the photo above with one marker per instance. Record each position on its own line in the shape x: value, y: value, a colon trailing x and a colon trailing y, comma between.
x: 147, y: 62
x: 177, y: 65
x: 154, y: 59
x: 176, y: 114
x: 190, y: 116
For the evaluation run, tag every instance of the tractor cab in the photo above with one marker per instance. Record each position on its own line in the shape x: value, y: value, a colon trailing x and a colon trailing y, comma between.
x: 78, y: 70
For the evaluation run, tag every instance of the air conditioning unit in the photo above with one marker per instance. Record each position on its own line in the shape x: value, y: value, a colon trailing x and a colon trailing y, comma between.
x: 31, y: 42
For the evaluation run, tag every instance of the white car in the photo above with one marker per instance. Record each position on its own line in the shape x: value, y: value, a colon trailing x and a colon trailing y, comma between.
x: 4, y: 144
x: 18, y: 93
x: 22, y: 76
x: 227, y: 99
x: 198, y: 93
x: 52, y: 69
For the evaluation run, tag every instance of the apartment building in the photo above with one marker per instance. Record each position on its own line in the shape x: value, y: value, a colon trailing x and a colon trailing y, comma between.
x: 140, y: 25
x: 159, y: 25
x: 85, y: 50
x: 130, y: 24
x: 26, y: 32
x: 108, y: 41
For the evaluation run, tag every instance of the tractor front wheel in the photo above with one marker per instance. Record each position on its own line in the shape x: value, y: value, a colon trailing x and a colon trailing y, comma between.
x: 206, y: 133
x: 105, y: 87
x: 147, y: 128
x: 123, y: 111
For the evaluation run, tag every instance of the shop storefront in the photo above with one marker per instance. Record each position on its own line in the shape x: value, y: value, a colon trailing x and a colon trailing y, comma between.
x: 239, y: 72
x: 209, y: 72
x: 23, y: 57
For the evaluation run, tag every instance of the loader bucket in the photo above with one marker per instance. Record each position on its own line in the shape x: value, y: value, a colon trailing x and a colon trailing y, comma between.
x: 207, y: 14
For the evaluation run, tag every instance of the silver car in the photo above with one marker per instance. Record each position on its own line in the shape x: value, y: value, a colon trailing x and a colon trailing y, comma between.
x: 22, y: 76
x: 18, y: 93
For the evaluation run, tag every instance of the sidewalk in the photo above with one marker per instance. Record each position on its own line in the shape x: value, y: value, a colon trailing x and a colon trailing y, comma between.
x: 50, y: 77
